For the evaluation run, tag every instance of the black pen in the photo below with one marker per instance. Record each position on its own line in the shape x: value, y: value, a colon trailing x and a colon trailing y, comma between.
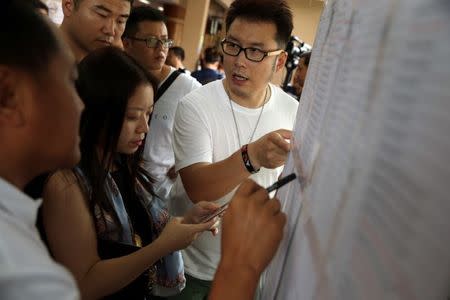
x: 271, y: 188
x: 281, y: 182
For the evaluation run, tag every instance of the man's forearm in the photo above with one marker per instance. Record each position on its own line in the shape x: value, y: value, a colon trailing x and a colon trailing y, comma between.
x: 233, y: 283
x: 209, y: 182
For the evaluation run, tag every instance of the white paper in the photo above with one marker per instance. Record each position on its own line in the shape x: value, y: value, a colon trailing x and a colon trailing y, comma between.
x: 373, y: 135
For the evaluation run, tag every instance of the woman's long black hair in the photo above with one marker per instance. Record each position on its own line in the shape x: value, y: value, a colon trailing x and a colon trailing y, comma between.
x: 108, y: 77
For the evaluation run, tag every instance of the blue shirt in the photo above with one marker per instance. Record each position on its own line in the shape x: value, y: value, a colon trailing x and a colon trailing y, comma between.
x: 206, y: 75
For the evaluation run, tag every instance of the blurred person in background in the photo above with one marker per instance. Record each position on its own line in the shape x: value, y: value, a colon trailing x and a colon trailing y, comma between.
x: 210, y: 67
x: 295, y: 90
x: 175, y: 58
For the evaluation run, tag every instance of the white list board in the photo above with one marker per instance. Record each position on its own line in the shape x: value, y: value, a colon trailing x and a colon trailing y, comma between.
x: 371, y: 219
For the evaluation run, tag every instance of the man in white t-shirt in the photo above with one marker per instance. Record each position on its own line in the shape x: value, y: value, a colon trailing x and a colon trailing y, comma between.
x: 145, y: 38
x: 39, y: 123
x: 235, y: 128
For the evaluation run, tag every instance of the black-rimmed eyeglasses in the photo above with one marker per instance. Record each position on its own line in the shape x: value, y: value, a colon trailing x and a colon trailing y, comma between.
x: 251, y: 53
x: 152, y: 42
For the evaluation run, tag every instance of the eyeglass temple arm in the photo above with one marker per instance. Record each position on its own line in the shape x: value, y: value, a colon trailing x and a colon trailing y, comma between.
x: 274, y: 52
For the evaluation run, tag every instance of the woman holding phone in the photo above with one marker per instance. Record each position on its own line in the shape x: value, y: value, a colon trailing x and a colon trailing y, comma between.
x: 101, y: 219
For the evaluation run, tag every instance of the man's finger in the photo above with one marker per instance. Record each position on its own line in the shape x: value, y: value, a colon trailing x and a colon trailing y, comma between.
x: 247, y: 187
x: 260, y: 196
x: 273, y: 206
x: 285, y: 133
x: 281, y: 219
x: 281, y: 143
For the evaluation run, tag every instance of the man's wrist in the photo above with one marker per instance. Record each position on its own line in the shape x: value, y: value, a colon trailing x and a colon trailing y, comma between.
x: 251, y: 168
x: 240, y: 278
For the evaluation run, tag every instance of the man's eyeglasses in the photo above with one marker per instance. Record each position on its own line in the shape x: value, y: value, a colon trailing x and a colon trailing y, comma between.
x: 152, y: 42
x: 252, y: 54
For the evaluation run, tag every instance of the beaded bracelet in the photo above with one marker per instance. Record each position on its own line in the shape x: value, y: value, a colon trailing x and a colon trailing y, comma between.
x: 246, y: 159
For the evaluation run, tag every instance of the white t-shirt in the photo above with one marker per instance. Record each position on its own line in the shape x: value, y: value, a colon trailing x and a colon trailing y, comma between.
x: 158, y: 152
x: 205, y: 131
x: 26, y: 269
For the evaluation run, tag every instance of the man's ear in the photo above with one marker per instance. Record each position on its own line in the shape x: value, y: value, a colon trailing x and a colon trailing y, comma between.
x: 281, y: 61
x: 126, y: 43
x: 68, y: 7
x: 11, y: 104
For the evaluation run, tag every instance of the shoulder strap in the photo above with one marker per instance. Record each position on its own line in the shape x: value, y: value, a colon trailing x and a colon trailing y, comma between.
x: 162, y: 89
x: 85, y: 185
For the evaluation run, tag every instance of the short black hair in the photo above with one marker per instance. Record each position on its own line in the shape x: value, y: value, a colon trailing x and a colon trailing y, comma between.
x: 77, y: 2
x: 178, y: 52
x: 22, y: 27
x: 211, y: 55
x: 273, y: 11
x: 140, y: 14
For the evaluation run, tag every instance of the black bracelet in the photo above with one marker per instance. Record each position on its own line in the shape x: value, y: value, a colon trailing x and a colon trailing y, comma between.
x: 246, y: 159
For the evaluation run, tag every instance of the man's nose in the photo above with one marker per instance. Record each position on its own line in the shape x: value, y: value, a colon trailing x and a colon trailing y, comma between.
x: 109, y: 27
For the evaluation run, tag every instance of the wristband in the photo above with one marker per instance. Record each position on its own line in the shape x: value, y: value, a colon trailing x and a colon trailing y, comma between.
x: 246, y: 159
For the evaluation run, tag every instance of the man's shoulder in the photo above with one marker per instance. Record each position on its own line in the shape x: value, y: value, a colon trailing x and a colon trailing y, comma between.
x: 204, y: 96
x: 208, y: 90
x: 282, y: 96
x: 187, y: 82
x: 180, y: 87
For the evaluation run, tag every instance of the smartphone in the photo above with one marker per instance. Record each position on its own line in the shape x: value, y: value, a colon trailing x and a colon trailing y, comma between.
x: 271, y: 188
x: 217, y: 212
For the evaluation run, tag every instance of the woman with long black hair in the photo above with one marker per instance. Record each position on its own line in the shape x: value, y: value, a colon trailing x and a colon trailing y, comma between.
x: 101, y: 219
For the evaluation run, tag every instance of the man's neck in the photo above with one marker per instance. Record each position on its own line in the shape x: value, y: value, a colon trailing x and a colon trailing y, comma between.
x: 211, y: 66
x: 18, y: 174
x: 76, y: 50
x: 257, y: 99
x: 161, y: 74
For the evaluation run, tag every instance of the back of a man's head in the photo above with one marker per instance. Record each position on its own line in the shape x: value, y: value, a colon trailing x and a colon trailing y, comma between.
x: 29, y: 41
x: 211, y: 55
x: 141, y: 14
x: 270, y: 11
x: 178, y: 52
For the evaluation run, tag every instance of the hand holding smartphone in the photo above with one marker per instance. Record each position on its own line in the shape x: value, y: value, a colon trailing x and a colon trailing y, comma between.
x: 270, y: 189
x: 219, y: 211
